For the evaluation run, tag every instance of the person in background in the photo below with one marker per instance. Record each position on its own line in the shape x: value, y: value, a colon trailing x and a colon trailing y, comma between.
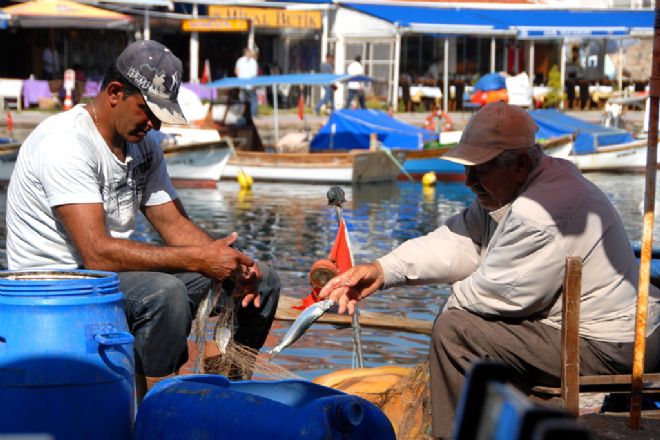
x: 51, y: 60
x: 355, y: 88
x: 247, y: 67
x: 80, y: 179
x: 504, y: 256
x: 329, y: 89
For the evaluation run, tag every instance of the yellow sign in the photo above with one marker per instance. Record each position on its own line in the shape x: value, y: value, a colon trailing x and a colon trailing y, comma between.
x: 270, y: 17
x: 214, y: 25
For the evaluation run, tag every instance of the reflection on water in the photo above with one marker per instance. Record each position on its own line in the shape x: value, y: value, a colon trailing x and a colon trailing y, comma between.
x: 291, y: 226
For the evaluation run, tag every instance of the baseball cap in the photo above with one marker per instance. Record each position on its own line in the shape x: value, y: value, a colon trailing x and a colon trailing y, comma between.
x: 157, y: 73
x: 496, y: 128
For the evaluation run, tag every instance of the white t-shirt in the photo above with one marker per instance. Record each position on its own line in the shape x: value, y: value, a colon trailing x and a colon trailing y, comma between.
x: 64, y: 161
x: 355, y: 68
x: 246, y: 67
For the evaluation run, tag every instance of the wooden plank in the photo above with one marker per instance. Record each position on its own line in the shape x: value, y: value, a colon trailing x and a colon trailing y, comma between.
x: 376, y: 320
x: 606, y: 383
x: 570, y: 335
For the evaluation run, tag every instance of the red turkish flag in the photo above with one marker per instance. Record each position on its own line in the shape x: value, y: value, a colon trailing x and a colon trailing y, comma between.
x: 340, y: 254
x: 341, y: 249
x: 301, y: 107
x: 206, y: 74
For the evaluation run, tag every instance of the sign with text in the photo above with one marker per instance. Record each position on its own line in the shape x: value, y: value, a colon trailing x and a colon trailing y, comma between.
x: 214, y: 25
x: 270, y: 17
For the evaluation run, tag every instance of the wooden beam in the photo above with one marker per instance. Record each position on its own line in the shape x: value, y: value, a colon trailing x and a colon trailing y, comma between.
x: 382, y: 321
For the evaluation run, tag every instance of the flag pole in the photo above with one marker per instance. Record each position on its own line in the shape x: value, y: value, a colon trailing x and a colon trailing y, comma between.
x: 336, y: 198
x: 647, y: 232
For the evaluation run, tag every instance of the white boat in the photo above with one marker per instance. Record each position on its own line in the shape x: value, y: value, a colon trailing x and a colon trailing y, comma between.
x: 355, y: 166
x: 199, y: 165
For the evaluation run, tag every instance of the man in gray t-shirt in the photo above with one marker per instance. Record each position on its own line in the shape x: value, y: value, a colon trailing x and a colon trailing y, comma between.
x: 80, y: 179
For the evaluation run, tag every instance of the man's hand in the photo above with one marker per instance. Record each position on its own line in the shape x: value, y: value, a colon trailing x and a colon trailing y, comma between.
x: 222, y: 261
x: 353, y: 285
x: 246, y: 285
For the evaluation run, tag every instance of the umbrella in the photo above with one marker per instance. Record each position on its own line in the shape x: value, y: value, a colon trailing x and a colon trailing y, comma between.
x: 64, y: 14
x: 647, y: 231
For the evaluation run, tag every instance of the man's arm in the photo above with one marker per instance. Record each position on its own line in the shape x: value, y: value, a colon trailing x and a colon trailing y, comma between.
x: 85, y: 225
x: 174, y: 226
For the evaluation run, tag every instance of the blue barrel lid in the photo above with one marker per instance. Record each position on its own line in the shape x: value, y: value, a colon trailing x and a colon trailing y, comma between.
x: 57, y: 282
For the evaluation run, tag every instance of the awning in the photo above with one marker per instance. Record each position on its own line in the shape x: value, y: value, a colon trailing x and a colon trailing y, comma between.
x: 545, y: 23
x: 303, y: 79
x: 527, y: 23
x: 427, y: 19
x: 63, y: 14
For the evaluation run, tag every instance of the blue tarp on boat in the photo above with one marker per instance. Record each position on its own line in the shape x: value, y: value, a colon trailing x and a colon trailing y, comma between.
x: 351, y: 129
x: 490, y: 81
x: 553, y: 123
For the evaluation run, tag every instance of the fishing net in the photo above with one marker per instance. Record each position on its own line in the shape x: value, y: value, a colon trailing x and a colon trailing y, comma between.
x: 219, y: 353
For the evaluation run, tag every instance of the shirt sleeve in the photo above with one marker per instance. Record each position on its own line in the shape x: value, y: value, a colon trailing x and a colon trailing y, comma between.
x: 520, y: 275
x: 159, y: 188
x: 448, y: 254
x: 68, y: 170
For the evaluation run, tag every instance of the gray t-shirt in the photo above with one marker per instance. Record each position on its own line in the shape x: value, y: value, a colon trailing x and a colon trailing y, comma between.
x: 65, y: 160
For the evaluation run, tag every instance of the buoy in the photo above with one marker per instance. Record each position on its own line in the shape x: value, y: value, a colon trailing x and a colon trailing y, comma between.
x: 429, y: 179
x: 68, y: 101
x: 244, y: 180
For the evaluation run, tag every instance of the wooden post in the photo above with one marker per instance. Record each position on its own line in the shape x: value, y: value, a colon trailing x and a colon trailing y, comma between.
x: 647, y: 232
x: 570, y: 336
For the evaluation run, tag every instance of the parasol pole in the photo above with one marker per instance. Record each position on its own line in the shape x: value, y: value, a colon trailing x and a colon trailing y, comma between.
x: 647, y: 232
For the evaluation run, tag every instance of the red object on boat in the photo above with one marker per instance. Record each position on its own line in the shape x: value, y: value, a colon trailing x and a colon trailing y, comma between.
x: 339, y: 261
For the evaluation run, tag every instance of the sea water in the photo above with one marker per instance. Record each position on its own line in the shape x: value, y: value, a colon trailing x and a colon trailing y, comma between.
x: 291, y: 226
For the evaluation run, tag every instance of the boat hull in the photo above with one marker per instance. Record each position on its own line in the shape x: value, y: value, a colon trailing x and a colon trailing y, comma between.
x: 357, y: 166
x: 198, y: 165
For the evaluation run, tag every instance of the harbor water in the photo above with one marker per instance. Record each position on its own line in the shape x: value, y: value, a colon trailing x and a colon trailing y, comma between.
x: 291, y: 226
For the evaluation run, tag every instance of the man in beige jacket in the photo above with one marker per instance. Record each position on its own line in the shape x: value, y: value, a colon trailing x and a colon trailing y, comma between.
x: 504, y: 258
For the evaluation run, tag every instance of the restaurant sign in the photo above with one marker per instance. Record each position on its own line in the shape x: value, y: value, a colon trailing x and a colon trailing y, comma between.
x: 270, y: 17
x: 214, y: 25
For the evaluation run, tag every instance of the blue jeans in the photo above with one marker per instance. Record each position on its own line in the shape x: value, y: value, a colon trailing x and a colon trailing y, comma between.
x: 327, y: 99
x: 160, y: 308
x: 352, y: 94
x: 251, y: 97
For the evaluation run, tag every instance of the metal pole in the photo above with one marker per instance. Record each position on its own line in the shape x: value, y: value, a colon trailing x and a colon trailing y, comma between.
x: 147, y: 27
x: 194, y: 50
x: 276, y: 115
x: 397, y: 68
x: 445, y: 75
x: 647, y: 231
x: 324, y: 35
x: 492, y: 54
x: 531, y: 72
x: 620, y: 66
x: 562, y: 71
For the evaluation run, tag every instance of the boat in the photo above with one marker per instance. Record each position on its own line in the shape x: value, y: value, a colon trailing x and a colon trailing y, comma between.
x: 347, y: 165
x: 8, y: 153
x: 596, y: 147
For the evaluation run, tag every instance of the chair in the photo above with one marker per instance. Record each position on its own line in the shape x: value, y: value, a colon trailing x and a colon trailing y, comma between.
x: 11, y: 89
x: 572, y: 383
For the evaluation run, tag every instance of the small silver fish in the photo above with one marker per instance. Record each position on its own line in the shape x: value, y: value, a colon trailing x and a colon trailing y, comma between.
x: 302, y: 323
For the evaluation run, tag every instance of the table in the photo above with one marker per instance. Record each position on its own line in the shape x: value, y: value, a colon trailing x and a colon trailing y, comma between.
x: 204, y: 93
x: 34, y: 90
x: 91, y: 88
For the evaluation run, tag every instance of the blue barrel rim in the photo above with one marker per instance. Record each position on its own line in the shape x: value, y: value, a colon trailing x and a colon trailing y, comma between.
x: 57, y: 282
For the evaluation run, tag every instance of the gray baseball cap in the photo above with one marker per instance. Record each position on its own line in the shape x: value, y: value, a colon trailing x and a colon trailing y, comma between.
x: 157, y: 73
x: 496, y: 128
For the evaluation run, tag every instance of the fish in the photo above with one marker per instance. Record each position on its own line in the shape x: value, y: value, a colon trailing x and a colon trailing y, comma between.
x: 302, y: 323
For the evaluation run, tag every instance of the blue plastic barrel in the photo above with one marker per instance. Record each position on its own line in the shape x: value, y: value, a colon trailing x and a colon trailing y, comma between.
x: 66, y: 356
x: 212, y: 407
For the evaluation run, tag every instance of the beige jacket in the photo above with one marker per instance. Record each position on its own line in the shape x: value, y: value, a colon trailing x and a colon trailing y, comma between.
x: 510, y: 263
